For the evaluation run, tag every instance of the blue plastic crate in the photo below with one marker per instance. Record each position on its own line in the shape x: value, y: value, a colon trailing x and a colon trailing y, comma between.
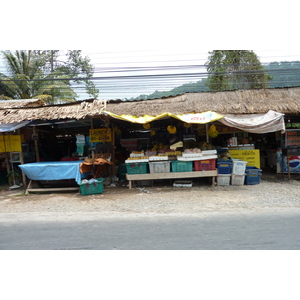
x: 252, y: 178
x: 224, y: 166
x: 252, y: 170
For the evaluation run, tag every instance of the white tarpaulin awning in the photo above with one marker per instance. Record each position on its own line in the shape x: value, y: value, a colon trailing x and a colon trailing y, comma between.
x: 272, y: 121
x: 12, y: 126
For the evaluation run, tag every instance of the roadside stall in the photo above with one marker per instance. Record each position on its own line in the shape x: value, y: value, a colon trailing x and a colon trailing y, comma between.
x: 195, y: 151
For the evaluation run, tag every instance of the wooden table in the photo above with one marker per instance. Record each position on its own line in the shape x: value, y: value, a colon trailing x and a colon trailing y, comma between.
x: 172, y: 175
x: 49, y: 171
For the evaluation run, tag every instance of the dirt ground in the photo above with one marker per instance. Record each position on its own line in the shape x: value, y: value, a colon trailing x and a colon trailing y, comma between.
x: 274, y: 192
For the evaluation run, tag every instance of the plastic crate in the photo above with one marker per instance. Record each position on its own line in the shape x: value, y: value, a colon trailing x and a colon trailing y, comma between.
x: 92, y: 188
x: 237, y: 179
x: 182, y: 166
x: 238, y: 166
x: 223, y: 179
x: 137, y: 168
x: 252, y: 178
x: 253, y: 170
x: 205, y: 165
x: 159, y: 166
x: 224, y: 166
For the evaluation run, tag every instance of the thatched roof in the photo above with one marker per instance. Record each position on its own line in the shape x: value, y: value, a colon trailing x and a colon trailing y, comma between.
x: 8, y: 104
x: 284, y: 100
x: 74, y: 110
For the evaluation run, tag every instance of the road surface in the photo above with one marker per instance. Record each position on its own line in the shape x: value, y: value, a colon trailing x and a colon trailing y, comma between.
x: 267, y: 230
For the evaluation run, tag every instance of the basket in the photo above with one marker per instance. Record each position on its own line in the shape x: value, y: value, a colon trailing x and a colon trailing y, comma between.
x: 238, y: 166
x: 205, y: 165
x: 137, y: 168
x: 237, y: 179
x: 224, y: 166
x: 92, y: 188
x: 182, y: 166
x: 223, y: 179
x: 159, y: 166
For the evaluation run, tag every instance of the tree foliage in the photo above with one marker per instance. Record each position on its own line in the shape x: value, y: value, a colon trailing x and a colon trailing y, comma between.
x: 40, y: 74
x: 235, y: 69
x: 284, y: 73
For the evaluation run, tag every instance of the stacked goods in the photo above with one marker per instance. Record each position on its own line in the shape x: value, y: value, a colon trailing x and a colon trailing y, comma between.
x: 182, y: 166
x: 224, y: 171
x: 212, y: 131
x: 223, y: 179
x: 137, y: 153
x: 238, y: 172
x: 253, y: 175
x: 159, y: 166
x: 205, y: 164
x: 137, y: 159
x: 224, y: 166
x: 137, y: 168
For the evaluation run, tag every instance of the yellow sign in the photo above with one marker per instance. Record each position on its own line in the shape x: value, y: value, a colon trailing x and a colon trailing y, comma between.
x: 10, y: 143
x: 251, y: 156
x: 100, y: 135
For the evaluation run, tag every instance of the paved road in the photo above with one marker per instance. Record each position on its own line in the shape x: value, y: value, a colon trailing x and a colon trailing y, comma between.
x: 273, y: 230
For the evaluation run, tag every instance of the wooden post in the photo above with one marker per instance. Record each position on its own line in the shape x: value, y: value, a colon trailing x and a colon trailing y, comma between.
x: 113, y: 154
x: 22, y: 162
x: 36, y: 145
x: 92, y: 144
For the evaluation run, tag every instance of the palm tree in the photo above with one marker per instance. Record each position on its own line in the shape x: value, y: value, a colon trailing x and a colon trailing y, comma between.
x: 27, y: 79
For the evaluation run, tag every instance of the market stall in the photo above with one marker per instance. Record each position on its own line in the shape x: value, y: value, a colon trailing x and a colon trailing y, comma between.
x: 171, y: 165
x: 51, y: 170
x: 203, y: 140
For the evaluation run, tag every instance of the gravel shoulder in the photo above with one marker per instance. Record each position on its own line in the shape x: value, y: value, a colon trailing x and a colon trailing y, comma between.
x: 272, y: 193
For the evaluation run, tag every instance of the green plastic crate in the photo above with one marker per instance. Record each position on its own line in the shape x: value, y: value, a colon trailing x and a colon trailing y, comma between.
x: 137, y: 168
x: 92, y: 188
x: 182, y: 166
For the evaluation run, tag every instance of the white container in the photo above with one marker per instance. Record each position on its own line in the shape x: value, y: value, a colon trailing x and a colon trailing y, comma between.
x: 204, y: 157
x: 158, y: 158
x: 137, y: 154
x: 238, y: 166
x: 188, y: 155
x: 130, y: 161
x: 159, y: 166
x: 183, y: 183
x: 223, y: 179
x: 237, y: 179
x: 209, y: 152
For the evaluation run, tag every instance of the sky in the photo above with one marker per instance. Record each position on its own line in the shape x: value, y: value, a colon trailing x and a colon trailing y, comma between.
x: 129, y: 37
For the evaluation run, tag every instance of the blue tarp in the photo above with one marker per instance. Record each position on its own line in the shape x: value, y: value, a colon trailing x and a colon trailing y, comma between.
x: 12, y: 126
x: 53, y: 170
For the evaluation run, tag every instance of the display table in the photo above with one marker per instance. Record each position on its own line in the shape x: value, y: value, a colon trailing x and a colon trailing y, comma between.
x: 172, y: 175
x: 52, y: 170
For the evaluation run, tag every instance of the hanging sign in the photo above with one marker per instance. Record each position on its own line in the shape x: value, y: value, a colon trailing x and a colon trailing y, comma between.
x: 100, y: 135
x: 251, y: 156
x: 10, y: 143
